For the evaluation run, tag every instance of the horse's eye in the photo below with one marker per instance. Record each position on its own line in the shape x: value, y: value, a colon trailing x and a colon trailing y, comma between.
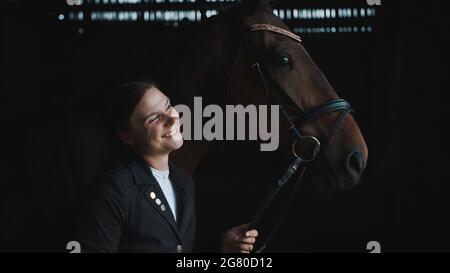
x: 283, y: 60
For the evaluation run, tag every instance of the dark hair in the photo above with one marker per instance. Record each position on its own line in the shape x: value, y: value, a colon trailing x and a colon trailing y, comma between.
x: 124, y: 100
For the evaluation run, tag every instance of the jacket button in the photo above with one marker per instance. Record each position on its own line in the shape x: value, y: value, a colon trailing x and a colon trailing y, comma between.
x: 179, y: 249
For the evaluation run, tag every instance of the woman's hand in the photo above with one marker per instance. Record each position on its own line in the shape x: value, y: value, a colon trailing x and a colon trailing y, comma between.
x: 239, y: 239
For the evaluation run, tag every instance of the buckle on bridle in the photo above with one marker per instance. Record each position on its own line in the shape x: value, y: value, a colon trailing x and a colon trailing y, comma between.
x: 306, y: 152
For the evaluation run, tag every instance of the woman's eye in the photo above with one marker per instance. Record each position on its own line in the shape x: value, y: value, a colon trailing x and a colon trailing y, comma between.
x: 169, y: 107
x: 153, y: 119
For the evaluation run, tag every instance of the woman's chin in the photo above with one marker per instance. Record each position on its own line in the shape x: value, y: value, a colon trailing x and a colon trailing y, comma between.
x: 175, y: 142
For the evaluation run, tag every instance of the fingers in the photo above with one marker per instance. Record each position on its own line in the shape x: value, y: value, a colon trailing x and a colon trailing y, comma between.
x: 251, y: 233
x: 239, y: 239
x: 247, y: 236
x: 248, y: 240
x: 245, y: 248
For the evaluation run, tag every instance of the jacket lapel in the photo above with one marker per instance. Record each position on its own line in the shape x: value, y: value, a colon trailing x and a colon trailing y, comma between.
x: 182, y: 199
x: 152, y: 191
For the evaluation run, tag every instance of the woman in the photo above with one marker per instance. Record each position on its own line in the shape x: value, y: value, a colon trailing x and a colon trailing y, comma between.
x: 146, y: 204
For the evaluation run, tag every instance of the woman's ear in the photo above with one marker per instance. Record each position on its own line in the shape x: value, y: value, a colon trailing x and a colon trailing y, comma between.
x: 126, y: 136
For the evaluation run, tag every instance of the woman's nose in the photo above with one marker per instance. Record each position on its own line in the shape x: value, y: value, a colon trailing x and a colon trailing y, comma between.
x: 174, y: 113
x: 172, y: 117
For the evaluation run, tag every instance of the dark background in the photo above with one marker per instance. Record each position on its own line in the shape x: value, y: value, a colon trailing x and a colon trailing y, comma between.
x: 56, y: 76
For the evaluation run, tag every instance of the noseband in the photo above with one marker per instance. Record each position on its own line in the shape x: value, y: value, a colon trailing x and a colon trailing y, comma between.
x: 301, y: 160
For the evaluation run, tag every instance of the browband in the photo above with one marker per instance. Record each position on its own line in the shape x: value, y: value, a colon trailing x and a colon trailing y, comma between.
x: 258, y: 27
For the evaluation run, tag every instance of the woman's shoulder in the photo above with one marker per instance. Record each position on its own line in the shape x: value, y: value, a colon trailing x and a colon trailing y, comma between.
x: 115, y: 178
x: 119, y: 172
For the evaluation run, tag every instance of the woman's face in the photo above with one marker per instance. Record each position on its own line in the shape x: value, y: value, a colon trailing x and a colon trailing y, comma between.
x: 154, y: 125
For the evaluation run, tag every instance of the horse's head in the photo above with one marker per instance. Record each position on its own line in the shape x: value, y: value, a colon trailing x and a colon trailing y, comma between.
x: 289, y: 70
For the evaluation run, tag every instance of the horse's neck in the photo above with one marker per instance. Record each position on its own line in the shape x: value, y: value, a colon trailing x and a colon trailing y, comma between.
x: 204, y: 72
x: 190, y: 155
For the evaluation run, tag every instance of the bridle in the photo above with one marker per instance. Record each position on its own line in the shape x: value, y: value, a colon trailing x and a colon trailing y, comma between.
x: 301, y: 161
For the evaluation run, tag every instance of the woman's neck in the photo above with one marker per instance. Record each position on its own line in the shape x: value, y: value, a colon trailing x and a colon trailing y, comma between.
x: 160, y: 162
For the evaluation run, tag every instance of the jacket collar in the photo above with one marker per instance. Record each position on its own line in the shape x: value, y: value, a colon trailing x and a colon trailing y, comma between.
x: 149, y: 187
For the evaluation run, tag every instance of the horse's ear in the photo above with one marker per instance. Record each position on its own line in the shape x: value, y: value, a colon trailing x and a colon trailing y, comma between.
x: 251, y: 6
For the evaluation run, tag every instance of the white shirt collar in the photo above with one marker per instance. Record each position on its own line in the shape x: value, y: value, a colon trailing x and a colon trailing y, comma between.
x: 161, y: 174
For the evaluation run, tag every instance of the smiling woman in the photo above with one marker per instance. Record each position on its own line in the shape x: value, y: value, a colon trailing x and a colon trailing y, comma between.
x: 153, y: 128
x: 146, y: 204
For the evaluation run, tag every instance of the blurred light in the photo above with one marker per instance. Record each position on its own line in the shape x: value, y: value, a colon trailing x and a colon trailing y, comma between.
x: 288, y: 14
x: 281, y: 14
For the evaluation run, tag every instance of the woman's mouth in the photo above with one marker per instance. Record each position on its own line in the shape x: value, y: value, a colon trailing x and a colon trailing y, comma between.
x: 171, y: 133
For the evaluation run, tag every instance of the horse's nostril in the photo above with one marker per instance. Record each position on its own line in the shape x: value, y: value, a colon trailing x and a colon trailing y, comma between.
x: 355, y: 162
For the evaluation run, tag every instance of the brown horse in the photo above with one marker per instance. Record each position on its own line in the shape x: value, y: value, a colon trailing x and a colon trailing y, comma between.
x: 218, y: 68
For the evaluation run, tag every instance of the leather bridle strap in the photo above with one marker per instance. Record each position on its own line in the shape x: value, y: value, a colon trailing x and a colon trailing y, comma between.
x: 262, y: 77
x: 266, y: 27
x: 331, y: 106
x: 328, y: 107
